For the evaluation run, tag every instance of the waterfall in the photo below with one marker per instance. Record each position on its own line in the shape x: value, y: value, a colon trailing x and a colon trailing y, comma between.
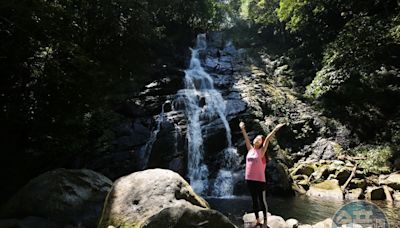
x: 202, y: 100
x: 145, y: 151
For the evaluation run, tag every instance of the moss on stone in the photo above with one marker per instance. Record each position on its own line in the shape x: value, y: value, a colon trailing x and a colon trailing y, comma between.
x: 327, y: 185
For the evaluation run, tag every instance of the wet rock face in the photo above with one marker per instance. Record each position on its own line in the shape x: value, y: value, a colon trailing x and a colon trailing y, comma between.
x: 62, y: 197
x: 168, y: 149
x: 157, y: 198
x: 278, y: 178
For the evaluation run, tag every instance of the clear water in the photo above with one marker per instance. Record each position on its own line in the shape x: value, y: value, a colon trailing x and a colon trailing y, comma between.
x: 306, y: 210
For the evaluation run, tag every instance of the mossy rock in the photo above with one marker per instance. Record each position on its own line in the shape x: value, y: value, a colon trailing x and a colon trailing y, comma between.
x: 343, y: 174
x: 358, y: 183
x: 327, y: 189
x: 304, y: 169
x: 355, y: 194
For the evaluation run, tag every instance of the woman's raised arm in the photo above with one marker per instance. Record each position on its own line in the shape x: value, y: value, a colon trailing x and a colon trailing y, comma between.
x: 246, y: 138
x: 269, y: 137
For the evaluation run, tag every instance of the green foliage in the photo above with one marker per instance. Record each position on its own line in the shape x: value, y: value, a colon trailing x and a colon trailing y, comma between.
x: 260, y: 11
x: 66, y: 64
x: 376, y: 158
x: 357, y: 54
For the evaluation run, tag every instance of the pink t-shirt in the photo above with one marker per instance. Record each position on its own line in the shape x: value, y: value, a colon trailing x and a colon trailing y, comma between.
x: 255, y: 165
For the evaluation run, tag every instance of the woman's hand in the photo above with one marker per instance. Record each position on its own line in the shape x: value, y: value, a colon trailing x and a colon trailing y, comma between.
x: 241, y: 125
x: 279, y: 126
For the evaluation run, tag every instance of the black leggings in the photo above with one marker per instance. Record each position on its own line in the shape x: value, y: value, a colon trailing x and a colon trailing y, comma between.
x: 257, y: 191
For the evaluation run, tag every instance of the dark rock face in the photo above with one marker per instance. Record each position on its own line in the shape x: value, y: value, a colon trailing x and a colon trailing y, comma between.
x: 28, y: 222
x: 168, y: 150
x: 278, y: 178
x: 157, y: 198
x: 131, y: 135
x: 64, y: 197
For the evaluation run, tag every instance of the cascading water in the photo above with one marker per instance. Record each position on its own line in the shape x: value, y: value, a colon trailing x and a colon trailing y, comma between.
x: 203, y: 100
x: 145, y: 151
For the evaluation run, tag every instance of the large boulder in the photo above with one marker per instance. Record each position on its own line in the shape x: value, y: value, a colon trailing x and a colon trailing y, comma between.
x: 304, y: 169
x: 324, y: 149
x: 343, y: 174
x: 157, y: 198
x: 327, y: 189
x: 67, y: 197
x: 278, y: 178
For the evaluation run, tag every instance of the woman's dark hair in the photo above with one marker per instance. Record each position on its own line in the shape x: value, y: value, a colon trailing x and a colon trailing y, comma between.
x: 262, y: 140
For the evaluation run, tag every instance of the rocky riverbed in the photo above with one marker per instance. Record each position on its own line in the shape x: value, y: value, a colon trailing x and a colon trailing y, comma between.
x: 340, y: 180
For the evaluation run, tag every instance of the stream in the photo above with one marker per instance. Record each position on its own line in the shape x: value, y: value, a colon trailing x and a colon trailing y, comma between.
x: 306, y: 210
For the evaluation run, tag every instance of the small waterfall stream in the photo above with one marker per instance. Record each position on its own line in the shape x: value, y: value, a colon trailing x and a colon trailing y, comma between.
x: 145, y: 151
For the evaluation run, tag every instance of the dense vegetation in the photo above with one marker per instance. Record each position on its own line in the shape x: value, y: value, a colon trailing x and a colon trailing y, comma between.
x: 66, y: 64
x: 345, y: 55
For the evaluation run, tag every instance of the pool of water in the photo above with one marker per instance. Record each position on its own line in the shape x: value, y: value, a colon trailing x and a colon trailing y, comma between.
x: 305, y: 209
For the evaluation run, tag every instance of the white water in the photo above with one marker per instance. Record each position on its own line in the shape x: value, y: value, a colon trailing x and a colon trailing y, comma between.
x: 200, y: 86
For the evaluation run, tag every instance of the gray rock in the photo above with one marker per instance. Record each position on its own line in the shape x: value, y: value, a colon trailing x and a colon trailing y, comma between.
x: 375, y: 193
x: 167, y: 200
x: 355, y: 194
x: 276, y: 222
x: 250, y: 217
x: 393, y: 181
x: 134, y: 135
x: 323, y: 149
x: 167, y: 150
x: 304, y: 169
x: 322, y: 173
x: 358, y: 183
x: 278, y: 178
x: 292, y: 223
x: 343, y: 174
x: 234, y: 107
x: 63, y: 196
x: 304, y: 183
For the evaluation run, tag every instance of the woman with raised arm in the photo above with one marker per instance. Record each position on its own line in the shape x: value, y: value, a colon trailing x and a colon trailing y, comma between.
x: 256, y: 161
